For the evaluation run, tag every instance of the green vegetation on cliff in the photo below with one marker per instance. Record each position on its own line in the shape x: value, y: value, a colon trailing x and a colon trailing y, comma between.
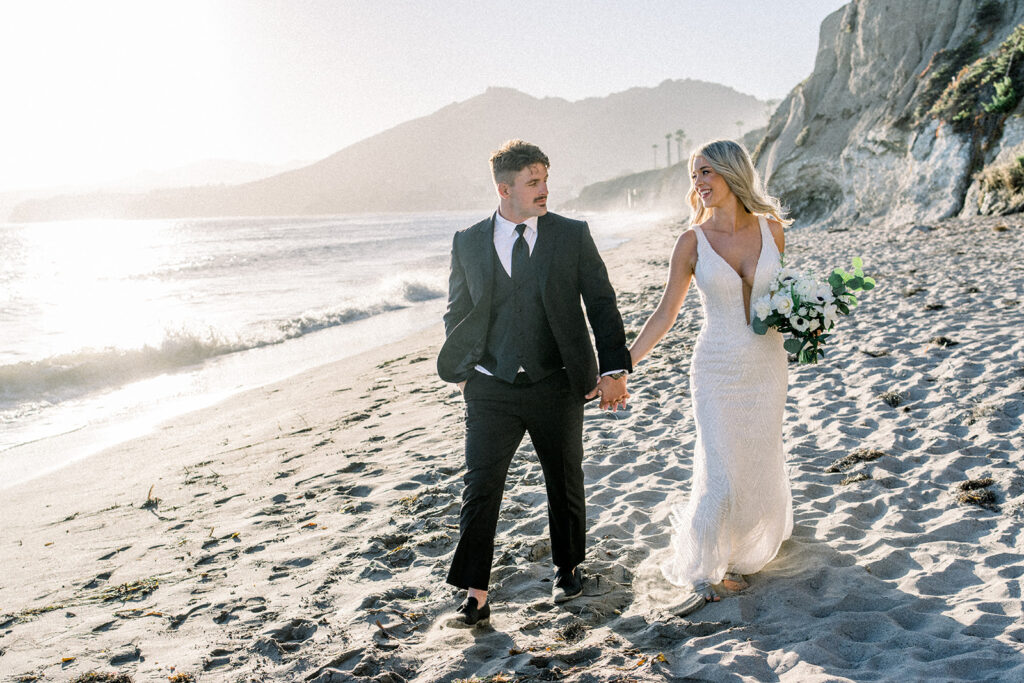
x: 986, y: 88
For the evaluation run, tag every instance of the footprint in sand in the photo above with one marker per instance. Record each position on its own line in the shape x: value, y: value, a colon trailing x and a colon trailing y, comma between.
x: 112, y: 553
x: 100, y: 578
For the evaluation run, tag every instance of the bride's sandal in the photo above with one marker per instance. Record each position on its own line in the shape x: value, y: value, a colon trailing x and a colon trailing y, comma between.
x: 701, y: 595
x: 735, y: 582
x: 704, y: 588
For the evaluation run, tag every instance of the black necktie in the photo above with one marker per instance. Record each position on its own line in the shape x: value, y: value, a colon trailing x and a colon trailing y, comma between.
x: 520, y: 253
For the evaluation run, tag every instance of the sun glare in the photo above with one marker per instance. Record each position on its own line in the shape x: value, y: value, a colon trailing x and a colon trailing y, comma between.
x: 92, y: 282
x: 108, y: 88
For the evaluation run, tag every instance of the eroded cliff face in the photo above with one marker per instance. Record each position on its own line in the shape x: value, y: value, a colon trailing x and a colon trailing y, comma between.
x: 890, y: 123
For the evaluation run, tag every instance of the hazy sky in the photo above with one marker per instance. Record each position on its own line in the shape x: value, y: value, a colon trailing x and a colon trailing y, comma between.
x: 96, y: 91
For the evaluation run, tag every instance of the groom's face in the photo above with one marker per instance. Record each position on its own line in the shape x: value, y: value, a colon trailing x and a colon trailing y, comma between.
x: 527, y: 194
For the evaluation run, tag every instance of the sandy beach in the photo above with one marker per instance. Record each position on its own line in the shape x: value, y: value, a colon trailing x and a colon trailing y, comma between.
x: 302, y: 531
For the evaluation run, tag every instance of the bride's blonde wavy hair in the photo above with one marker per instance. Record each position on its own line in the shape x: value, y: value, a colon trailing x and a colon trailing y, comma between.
x: 732, y: 162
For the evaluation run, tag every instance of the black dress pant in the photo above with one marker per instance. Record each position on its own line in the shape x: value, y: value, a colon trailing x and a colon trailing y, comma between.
x: 498, y: 414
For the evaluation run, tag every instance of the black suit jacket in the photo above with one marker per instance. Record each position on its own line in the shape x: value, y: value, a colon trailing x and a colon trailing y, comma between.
x: 569, y: 267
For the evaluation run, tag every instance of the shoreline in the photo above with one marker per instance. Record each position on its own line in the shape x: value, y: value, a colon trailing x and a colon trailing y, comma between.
x: 110, y: 431
x: 87, y: 430
x: 302, y: 530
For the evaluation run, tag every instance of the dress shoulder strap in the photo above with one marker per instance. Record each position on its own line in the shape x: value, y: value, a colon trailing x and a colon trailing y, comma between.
x: 702, y: 239
x: 702, y: 242
x: 766, y: 234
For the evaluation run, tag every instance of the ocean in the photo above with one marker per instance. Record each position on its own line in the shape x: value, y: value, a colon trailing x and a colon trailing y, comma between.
x: 108, y: 328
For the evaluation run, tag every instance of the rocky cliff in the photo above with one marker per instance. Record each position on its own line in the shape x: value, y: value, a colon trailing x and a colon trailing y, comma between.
x: 912, y: 112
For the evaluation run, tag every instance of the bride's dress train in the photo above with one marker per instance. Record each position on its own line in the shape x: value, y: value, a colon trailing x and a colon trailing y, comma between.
x: 740, y: 509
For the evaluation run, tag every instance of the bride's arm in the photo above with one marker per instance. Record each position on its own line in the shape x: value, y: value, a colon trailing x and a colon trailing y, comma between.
x: 684, y: 259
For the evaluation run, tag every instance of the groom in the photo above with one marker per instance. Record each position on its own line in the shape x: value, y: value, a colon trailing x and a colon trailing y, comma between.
x: 519, y: 348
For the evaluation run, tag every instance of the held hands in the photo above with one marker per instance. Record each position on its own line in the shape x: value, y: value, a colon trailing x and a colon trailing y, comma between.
x: 613, y: 392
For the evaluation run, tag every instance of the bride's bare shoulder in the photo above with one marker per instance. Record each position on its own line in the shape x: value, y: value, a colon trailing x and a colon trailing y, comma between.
x: 685, y: 250
x: 687, y: 240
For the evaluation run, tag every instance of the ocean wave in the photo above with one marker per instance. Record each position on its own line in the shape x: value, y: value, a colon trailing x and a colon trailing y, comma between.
x: 84, y: 371
x: 417, y: 292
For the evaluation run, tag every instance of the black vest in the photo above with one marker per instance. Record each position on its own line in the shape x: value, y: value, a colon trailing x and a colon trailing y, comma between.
x: 519, y: 335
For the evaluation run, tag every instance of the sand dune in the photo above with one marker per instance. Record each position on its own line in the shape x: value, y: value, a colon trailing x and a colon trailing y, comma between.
x: 303, y: 530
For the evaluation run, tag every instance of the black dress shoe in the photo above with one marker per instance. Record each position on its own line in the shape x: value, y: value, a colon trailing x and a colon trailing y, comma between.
x: 468, y: 614
x: 568, y: 585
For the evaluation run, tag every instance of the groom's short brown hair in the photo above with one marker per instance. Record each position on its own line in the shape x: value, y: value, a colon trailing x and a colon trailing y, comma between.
x: 514, y: 156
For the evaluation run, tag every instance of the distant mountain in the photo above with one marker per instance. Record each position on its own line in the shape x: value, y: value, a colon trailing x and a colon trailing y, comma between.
x: 205, y: 172
x: 440, y: 161
x: 661, y: 190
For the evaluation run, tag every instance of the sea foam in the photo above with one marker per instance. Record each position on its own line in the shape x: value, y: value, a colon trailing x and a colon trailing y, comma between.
x: 70, y: 375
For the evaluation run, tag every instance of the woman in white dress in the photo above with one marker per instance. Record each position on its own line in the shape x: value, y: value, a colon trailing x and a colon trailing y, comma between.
x: 739, y: 511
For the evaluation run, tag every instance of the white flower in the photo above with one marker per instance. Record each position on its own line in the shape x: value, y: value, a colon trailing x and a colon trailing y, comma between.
x: 831, y: 314
x: 782, y: 303
x: 806, y: 288
x: 763, y: 307
x: 814, y: 325
x: 787, y: 274
x: 802, y: 312
x: 799, y: 324
x: 825, y: 294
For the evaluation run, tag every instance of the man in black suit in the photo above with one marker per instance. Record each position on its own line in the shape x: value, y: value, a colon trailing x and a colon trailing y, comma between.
x: 518, y: 346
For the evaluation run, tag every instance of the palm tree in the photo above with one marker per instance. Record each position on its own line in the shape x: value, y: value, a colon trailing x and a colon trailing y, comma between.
x: 655, y: 148
x: 668, y: 149
x: 680, y: 136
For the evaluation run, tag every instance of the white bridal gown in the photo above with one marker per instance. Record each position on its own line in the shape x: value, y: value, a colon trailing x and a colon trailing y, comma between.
x: 740, y: 509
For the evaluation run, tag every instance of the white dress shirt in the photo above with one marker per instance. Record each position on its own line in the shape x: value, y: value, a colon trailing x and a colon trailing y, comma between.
x: 505, y: 236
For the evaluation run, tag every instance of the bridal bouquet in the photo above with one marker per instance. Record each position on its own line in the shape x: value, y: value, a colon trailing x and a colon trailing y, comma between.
x: 808, y: 309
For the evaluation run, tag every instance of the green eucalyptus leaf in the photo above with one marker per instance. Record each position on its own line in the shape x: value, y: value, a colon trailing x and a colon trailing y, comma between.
x: 858, y: 266
x: 793, y: 345
x: 855, y: 283
x: 759, y: 326
x: 835, y: 280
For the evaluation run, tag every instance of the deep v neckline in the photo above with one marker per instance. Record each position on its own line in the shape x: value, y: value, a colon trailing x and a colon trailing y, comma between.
x: 757, y: 266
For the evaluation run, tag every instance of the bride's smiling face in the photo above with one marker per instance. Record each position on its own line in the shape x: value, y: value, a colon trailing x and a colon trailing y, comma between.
x: 710, y: 186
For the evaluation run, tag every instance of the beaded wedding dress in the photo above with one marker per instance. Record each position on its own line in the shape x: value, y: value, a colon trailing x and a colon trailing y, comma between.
x: 740, y: 510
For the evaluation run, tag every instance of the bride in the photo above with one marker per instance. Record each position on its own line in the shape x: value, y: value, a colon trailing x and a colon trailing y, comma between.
x: 739, y: 511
